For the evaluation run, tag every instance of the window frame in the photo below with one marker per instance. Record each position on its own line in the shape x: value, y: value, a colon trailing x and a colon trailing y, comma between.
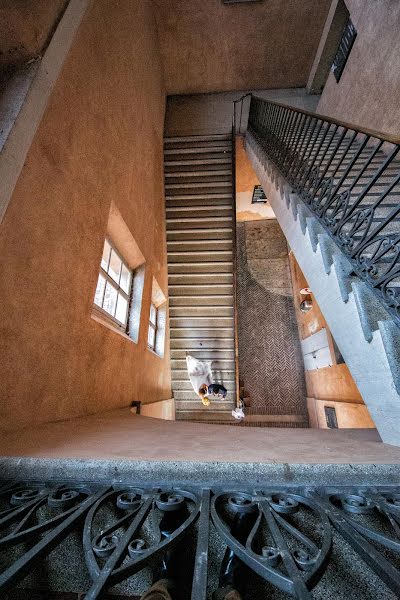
x: 127, y: 295
x: 154, y: 327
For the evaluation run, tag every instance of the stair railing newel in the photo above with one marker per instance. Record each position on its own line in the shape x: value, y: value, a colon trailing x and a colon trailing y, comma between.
x: 349, y: 178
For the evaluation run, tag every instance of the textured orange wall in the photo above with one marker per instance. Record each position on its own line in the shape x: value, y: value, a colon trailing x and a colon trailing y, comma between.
x: 246, y: 177
x: 25, y: 27
x: 100, y: 140
x: 208, y: 46
x: 368, y: 91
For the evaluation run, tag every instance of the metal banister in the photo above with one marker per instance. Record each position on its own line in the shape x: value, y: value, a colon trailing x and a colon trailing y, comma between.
x: 349, y: 178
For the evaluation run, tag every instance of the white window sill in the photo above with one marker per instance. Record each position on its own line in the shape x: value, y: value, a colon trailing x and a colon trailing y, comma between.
x: 96, y: 316
x: 154, y: 352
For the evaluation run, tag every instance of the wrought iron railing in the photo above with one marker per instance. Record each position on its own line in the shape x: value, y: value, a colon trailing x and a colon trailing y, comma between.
x: 263, y: 543
x: 349, y: 178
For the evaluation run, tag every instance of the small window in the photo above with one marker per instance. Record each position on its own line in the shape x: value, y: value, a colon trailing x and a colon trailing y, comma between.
x: 151, y: 338
x: 259, y: 196
x: 343, y: 52
x: 114, y: 287
x: 331, y: 419
x: 157, y: 320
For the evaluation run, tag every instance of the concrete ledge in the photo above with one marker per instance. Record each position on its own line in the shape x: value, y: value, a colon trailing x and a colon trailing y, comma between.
x: 164, y: 473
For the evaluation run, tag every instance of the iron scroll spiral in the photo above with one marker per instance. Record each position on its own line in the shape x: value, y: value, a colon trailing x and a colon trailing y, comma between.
x: 292, y: 561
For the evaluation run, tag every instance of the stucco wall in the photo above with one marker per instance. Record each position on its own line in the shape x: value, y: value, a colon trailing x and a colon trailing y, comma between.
x: 368, y: 91
x: 208, y: 46
x: 25, y: 27
x: 100, y: 140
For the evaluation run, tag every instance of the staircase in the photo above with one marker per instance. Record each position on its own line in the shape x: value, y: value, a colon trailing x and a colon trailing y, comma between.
x: 365, y: 172
x: 199, y: 216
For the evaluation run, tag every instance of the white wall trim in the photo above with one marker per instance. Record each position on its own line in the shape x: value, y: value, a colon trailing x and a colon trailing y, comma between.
x: 19, y: 140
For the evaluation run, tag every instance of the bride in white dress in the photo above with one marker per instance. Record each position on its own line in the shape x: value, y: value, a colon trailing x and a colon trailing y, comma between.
x: 200, y: 375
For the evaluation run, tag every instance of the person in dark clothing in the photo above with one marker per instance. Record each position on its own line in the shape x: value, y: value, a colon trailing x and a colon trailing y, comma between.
x: 216, y: 389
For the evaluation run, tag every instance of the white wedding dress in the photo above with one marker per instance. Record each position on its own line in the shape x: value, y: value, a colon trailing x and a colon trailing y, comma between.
x: 199, y: 372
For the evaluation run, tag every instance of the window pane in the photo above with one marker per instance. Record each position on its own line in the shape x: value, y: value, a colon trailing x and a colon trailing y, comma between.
x: 153, y: 314
x: 98, y: 297
x: 106, y: 255
x: 115, y: 266
x: 110, y: 299
x: 122, y: 309
x: 125, y: 282
x: 151, y: 338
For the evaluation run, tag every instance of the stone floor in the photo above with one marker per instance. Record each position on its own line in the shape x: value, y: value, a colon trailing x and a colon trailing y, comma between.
x: 270, y: 361
x: 120, y: 442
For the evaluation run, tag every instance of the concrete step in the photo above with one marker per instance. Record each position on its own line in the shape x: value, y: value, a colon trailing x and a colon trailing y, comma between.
x: 199, y: 223
x: 204, y: 267
x: 215, y: 137
x: 192, y: 246
x: 209, y: 187
x: 200, y: 290
x: 179, y: 369
x: 226, y: 173
x: 205, y: 415
x: 219, y: 149
x: 199, y: 195
x: 201, y: 279
x: 201, y: 333
x: 186, y: 386
x: 198, y: 162
x: 201, y: 311
x: 208, y: 321
x: 193, y: 345
x: 200, y: 201
x: 219, y: 355
x: 190, y: 401
x: 179, y: 212
x: 223, y: 375
x: 200, y: 256
x: 201, y: 301
x: 211, y: 233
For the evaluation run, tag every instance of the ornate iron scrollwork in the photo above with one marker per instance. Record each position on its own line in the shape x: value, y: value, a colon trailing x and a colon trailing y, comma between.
x: 284, y: 544
x: 281, y: 538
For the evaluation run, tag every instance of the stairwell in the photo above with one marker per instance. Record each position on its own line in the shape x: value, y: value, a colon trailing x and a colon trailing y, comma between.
x: 363, y: 328
x: 200, y: 229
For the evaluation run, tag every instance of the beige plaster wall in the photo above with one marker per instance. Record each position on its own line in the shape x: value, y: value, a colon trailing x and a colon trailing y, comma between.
x: 100, y: 140
x: 368, y: 91
x: 208, y: 46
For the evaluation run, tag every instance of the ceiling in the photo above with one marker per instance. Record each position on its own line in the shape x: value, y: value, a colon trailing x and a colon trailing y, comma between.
x: 209, y: 46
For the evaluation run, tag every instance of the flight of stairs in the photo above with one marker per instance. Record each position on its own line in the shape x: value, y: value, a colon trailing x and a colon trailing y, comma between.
x: 364, y: 330
x: 198, y: 188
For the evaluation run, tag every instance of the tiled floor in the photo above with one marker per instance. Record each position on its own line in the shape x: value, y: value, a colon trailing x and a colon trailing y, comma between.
x: 270, y: 360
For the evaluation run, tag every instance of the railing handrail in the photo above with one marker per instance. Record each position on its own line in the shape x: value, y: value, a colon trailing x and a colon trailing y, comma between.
x: 385, y: 137
x: 351, y: 184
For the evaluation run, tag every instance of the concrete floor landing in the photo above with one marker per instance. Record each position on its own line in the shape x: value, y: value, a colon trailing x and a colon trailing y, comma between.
x: 123, y: 446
